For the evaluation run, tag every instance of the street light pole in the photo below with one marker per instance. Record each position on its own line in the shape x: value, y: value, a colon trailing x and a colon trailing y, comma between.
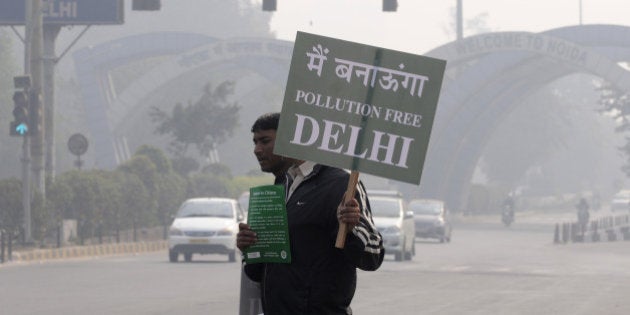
x: 49, y: 59
x: 26, y: 144
x: 580, y: 12
x: 37, y: 78
x: 459, y: 22
x: 33, y: 67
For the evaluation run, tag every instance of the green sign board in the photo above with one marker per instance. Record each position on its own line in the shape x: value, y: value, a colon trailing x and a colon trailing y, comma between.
x: 267, y: 216
x: 359, y: 107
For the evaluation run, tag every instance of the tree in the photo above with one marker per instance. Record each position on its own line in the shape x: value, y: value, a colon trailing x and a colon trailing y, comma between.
x: 59, y: 198
x: 218, y: 169
x: 10, y: 148
x: 142, y: 167
x: 83, y: 206
x: 616, y: 104
x: 135, y: 203
x: 184, y: 165
x: 11, y: 216
x: 205, y: 123
x: 208, y: 185
x: 168, y: 188
x: 170, y: 193
x: 162, y: 163
x: 40, y: 218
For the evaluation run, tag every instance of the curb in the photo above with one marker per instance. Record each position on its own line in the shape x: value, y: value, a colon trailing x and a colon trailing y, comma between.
x: 88, y: 251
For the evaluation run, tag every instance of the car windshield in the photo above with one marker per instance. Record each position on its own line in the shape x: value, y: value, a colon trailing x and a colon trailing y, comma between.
x: 385, y: 207
x: 222, y: 209
x: 425, y: 208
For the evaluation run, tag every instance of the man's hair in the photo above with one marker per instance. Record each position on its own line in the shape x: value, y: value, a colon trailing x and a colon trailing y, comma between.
x: 266, y: 121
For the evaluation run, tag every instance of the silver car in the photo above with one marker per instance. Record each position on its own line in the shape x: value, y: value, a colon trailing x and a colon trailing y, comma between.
x: 394, y: 222
x: 432, y: 219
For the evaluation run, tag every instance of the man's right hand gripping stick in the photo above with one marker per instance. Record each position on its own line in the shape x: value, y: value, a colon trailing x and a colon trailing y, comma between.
x: 343, y: 228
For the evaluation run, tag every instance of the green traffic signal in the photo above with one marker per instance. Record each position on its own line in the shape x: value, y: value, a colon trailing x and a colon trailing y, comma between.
x: 22, y: 129
x: 19, y: 127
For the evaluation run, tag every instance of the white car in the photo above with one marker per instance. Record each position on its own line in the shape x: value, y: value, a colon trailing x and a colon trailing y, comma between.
x: 205, y: 226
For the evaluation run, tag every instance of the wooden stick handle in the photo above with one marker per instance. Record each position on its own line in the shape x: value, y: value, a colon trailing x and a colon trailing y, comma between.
x: 343, y: 228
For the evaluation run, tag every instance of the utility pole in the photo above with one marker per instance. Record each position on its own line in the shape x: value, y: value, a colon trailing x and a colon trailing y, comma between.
x: 26, y: 144
x: 459, y: 22
x: 49, y: 60
x: 580, y: 3
x: 35, y: 51
x: 37, y: 79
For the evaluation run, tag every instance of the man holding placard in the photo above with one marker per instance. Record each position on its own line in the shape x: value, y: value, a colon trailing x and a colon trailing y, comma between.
x: 320, y: 278
x: 346, y: 106
x: 264, y: 136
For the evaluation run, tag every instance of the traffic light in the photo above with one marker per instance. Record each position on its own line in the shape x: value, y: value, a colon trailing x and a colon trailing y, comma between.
x: 20, y: 125
x: 146, y: 5
x: 269, y: 5
x: 390, y: 5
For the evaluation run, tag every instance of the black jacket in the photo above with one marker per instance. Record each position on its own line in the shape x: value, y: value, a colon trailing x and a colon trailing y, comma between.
x: 321, y: 279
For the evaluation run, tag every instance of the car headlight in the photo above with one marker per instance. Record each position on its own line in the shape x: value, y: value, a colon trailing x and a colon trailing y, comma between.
x: 391, y: 230
x: 225, y: 232
x: 175, y: 232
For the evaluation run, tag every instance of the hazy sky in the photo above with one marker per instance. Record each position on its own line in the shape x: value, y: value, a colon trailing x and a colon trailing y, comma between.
x: 420, y: 25
x: 417, y: 27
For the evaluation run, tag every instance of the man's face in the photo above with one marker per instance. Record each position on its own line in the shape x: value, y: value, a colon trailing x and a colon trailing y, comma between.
x: 264, y: 141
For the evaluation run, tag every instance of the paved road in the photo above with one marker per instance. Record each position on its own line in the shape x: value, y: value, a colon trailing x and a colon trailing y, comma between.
x: 503, y: 271
x: 486, y: 269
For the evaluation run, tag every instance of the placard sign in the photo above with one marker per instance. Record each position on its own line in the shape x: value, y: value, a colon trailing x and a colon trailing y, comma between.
x: 267, y: 216
x: 359, y: 107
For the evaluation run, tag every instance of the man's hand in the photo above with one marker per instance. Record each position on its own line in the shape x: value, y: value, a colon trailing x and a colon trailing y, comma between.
x: 349, y: 213
x: 245, y: 237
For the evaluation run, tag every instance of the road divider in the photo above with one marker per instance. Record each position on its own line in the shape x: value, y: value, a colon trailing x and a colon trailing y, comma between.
x: 88, y: 251
x: 608, y: 228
